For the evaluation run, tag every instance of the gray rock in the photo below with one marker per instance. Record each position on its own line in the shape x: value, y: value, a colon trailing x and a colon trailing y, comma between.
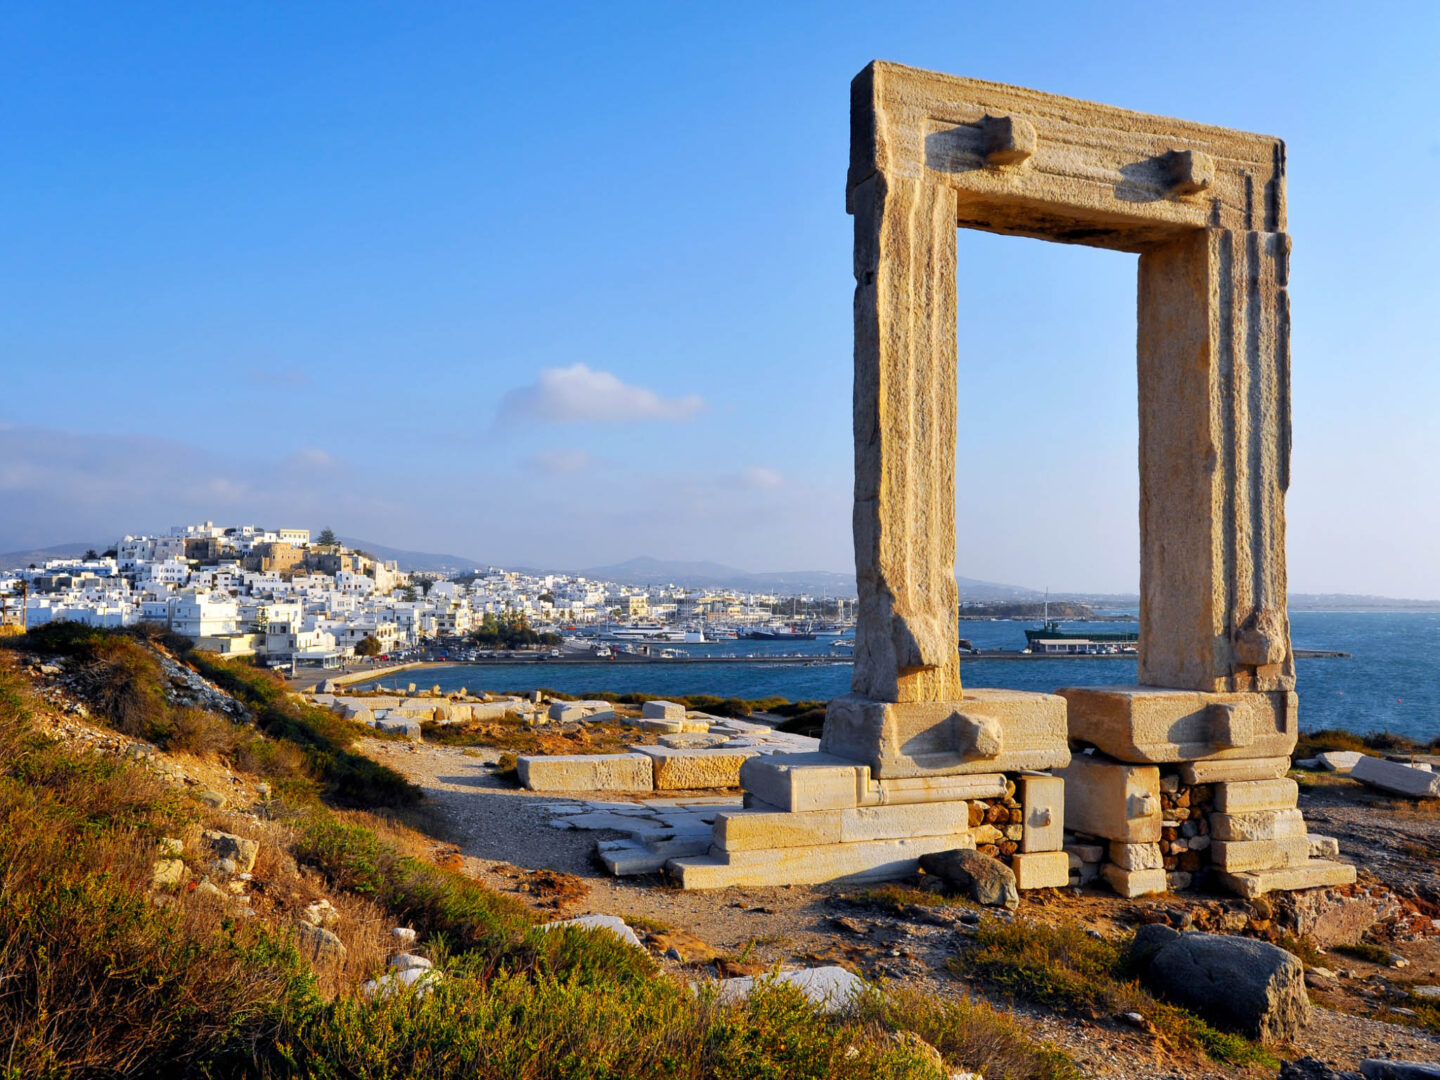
x: 1236, y: 983
x: 237, y: 848
x: 832, y: 988
x: 1380, y: 1069
x: 987, y: 880
x: 167, y: 873
x: 405, y: 961
x: 320, y: 945
x: 613, y: 923
x: 1309, y: 1068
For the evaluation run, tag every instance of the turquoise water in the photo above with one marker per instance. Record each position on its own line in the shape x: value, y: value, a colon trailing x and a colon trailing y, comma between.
x: 1391, y: 682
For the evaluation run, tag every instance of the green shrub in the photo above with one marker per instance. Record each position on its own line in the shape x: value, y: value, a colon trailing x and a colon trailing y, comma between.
x: 540, y: 1027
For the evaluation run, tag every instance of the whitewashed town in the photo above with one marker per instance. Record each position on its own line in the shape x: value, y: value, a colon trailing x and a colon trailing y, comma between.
x: 305, y: 601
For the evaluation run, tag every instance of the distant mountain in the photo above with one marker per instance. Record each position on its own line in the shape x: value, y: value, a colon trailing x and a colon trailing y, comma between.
x: 1354, y: 602
x: 18, y: 560
x: 421, y: 561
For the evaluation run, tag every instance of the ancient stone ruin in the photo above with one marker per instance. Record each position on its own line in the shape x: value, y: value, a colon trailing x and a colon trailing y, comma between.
x: 1185, y: 772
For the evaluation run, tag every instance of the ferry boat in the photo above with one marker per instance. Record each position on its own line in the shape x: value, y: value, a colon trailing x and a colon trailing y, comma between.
x: 775, y: 633
x: 1049, y: 638
x: 657, y: 632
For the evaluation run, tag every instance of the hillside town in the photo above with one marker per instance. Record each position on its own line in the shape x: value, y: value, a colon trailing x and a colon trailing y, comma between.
x: 311, y: 602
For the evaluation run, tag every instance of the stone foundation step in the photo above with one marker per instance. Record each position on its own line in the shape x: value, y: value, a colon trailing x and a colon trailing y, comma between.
x: 622, y: 857
x: 873, y: 860
x: 1306, y: 875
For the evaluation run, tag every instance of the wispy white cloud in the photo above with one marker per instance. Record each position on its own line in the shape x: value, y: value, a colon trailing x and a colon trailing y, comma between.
x: 579, y: 393
x: 759, y: 478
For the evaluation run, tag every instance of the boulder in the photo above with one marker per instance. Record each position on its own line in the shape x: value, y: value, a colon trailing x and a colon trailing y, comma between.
x: 612, y: 923
x: 832, y: 988
x: 1309, y: 1068
x: 167, y: 873
x: 1236, y: 983
x: 987, y: 880
x: 320, y: 945
x: 406, y: 960
x: 1380, y: 1069
x: 236, y: 848
x: 1339, y: 761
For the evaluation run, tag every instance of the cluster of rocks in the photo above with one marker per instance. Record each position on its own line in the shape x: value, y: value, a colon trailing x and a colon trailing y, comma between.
x: 226, y: 863
x: 1309, y: 1068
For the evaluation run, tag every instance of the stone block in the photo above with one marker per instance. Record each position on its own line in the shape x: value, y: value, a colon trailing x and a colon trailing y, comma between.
x: 1041, y: 869
x: 662, y: 710
x: 568, y: 711
x: 1133, y: 883
x: 1238, y: 856
x: 1306, y: 875
x: 1229, y: 771
x: 1397, y: 778
x: 986, y: 731
x: 1323, y: 847
x: 803, y: 782
x: 919, y: 789
x: 1339, y: 761
x: 693, y: 770
x: 1245, y: 796
x: 1136, y: 856
x: 871, y: 860
x: 751, y: 831
x: 1043, y: 800
x: 660, y: 726
x: 1090, y: 853
x: 1112, y: 800
x: 1258, y: 825
x: 587, y: 772
x: 391, y: 726
x: 1153, y: 725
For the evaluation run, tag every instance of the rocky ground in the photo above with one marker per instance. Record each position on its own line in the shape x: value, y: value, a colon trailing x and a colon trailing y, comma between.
x: 510, y: 839
x: 521, y: 842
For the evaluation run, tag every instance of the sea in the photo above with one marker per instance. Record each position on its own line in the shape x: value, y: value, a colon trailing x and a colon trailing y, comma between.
x: 1389, y: 682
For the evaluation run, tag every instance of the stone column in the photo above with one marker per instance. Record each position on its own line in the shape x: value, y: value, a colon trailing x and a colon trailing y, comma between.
x: 906, y: 647
x: 1214, y: 379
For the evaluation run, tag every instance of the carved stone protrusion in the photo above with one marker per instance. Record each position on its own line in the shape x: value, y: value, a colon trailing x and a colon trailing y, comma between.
x: 1262, y: 639
x: 979, y: 736
x: 1191, y: 171
x: 1232, y: 725
x: 1009, y: 140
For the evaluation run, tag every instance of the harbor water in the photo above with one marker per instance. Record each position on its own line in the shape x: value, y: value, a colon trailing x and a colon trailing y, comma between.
x: 1390, y: 682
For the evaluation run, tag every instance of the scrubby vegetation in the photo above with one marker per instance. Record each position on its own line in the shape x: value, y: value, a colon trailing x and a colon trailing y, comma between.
x: 308, y: 750
x: 1063, y: 967
x: 1376, y: 742
x: 104, y: 973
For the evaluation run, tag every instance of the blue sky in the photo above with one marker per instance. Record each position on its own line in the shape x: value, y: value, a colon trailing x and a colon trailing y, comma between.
x: 558, y: 285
